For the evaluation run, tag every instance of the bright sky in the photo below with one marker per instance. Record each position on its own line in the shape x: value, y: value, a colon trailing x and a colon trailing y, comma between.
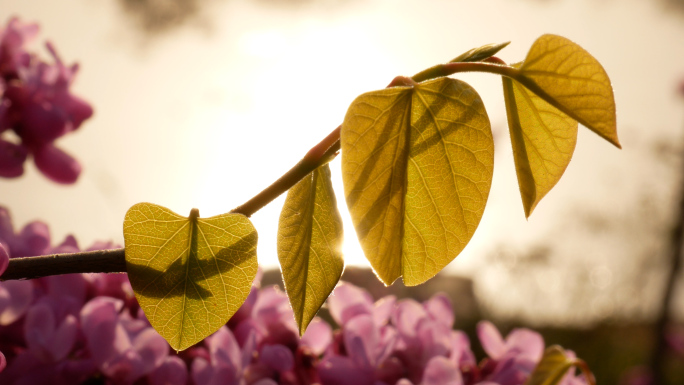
x: 207, y: 117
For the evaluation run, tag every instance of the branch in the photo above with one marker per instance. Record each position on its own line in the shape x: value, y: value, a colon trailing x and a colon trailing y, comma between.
x: 99, y: 261
x: 114, y: 261
x: 319, y: 154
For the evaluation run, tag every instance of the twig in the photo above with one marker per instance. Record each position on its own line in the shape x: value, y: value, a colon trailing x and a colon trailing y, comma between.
x: 114, y: 261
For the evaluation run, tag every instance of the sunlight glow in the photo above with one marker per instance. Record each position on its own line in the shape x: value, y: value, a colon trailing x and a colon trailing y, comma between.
x: 311, y: 111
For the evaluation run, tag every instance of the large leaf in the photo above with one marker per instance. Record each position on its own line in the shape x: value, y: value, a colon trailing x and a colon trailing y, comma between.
x: 552, y: 368
x: 543, y: 140
x: 417, y: 166
x: 190, y: 275
x: 572, y: 80
x: 310, y: 244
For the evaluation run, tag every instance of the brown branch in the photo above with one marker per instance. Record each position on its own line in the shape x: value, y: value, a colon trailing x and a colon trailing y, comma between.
x: 114, y: 261
x: 99, y: 261
x: 317, y: 156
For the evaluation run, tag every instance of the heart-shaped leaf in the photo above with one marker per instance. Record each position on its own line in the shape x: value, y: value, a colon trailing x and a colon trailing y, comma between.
x: 190, y: 275
x: 417, y: 166
x: 310, y: 244
x: 553, y: 366
x: 543, y: 140
x: 569, y: 78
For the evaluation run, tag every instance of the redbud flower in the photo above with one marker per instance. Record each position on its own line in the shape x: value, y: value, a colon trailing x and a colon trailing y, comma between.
x: 4, y: 259
x: 36, y: 103
x: 62, y: 330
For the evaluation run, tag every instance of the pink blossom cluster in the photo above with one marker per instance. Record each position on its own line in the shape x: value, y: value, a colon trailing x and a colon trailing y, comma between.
x: 37, y: 106
x: 74, y: 328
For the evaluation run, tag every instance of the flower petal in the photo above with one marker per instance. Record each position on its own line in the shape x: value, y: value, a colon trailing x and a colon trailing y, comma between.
x: 491, y: 339
x: 318, y: 336
x: 528, y: 343
x: 12, y: 158
x: 440, y: 371
x: 56, y: 164
x: 4, y: 259
x: 15, y: 298
x: 171, y: 372
x: 347, y: 301
x: 439, y: 309
x: 277, y: 357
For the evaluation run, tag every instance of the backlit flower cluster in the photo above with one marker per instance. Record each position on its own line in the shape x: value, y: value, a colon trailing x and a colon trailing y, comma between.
x: 36, y: 106
x: 73, y: 328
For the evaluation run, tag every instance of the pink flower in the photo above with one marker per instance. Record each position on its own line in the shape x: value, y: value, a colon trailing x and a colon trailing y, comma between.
x: 362, y: 354
x: 271, y: 321
x: 35, y: 102
x: 225, y: 366
x: 15, y: 298
x: 56, y: 164
x: 12, y: 41
x: 4, y: 259
x: 123, y: 348
x: 347, y: 301
x: 317, y: 338
x: 514, y: 358
x: 172, y: 371
x: 425, y: 332
x: 524, y: 344
x: 67, y: 329
x: 48, y: 338
x: 12, y: 158
x: 440, y: 371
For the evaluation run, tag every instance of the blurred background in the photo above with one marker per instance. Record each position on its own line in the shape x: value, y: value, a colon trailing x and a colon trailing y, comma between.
x: 203, y: 103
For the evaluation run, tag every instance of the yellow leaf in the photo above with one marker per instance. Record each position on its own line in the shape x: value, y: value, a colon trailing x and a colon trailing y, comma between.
x: 190, y: 275
x: 572, y: 80
x: 417, y: 166
x: 552, y: 367
x: 543, y: 140
x: 310, y: 244
x: 480, y: 53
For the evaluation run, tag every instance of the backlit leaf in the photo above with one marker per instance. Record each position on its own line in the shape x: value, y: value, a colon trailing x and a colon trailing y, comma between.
x: 572, y: 80
x: 310, y: 244
x: 190, y: 275
x: 480, y: 53
x: 552, y: 367
x: 417, y: 166
x: 543, y: 140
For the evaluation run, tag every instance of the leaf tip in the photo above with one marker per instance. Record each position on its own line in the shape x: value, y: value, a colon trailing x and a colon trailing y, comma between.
x: 611, y: 137
x: 616, y: 143
x: 528, y: 202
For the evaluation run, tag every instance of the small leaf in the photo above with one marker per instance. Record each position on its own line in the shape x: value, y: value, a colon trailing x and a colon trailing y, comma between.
x: 480, y: 53
x: 417, y: 166
x: 552, y: 367
x: 543, y: 140
x: 572, y: 80
x: 190, y: 275
x: 310, y: 244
